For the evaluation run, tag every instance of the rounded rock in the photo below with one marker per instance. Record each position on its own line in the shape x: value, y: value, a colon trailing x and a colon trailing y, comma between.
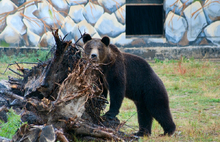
x: 212, y: 32
x: 51, y: 17
x: 175, y: 26
x: 76, y: 13
x: 121, y: 40
x: 83, y: 27
x: 111, y: 5
x: 16, y: 22
x: 92, y: 12
x: 67, y: 28
x: 196, y: 20
x: 109, y: 25
x: 120, y: 14
x: 33, y: 39
x: 5, y: 6
x: 61, y: 6
x: 11, y: 36
x: 212, y: 10
x: 47, y: 40
x: 172, y: 5
x: 34, y: 24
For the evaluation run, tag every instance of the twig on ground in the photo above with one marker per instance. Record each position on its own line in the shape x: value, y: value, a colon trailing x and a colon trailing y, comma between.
x: 11, y: 95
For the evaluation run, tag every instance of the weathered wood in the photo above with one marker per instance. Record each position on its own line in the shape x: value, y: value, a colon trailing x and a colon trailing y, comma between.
x: 63, y: 92
x: 86, y: 128
x: 60, y: 136
x: 2, y: 139
x: 12, y: 95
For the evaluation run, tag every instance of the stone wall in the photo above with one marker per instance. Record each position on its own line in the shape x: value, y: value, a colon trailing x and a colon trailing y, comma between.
x: 29, y: 22
x: 194, y: 22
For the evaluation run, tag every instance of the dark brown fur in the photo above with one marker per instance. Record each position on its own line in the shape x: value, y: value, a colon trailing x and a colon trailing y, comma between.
x: 130, y: 76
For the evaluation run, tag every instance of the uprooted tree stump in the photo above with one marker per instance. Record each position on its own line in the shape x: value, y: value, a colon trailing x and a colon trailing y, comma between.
x: 61, y: 99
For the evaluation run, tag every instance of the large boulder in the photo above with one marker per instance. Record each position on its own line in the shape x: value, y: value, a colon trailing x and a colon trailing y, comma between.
x: 212, y: 10
x: 109, y: 25
x: 196, y: 20
x: 111, y: 6
x: 120, y: 14
x: 76, y: 13
x: 10, y: 36
x: 51, y: 17
x: 121, y: 40
x: 175, y: 27
x: 33, y: 39
x: 212, y: 32
x: 16, y: 22
x: 173, y: 5
x: 61, y: 6
x: 32, y: 23
x: 5, y: 6
x: 67, y: 28
x: 47, y: 40
x: 92, y: 12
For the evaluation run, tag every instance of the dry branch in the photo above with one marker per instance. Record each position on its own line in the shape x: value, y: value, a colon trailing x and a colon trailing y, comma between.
x: 63, y: 92
x: 11, y: 95
x: 60, y: 136
x: 86, y: 128
x: 3, y: 108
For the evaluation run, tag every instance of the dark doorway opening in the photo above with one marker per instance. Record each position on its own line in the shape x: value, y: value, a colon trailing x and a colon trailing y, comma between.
x: 144, y: 19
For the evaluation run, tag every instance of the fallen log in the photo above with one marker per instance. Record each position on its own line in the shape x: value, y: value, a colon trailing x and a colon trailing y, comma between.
x: 11, y: 95
x: 63, y: 99
x: 2, y: 139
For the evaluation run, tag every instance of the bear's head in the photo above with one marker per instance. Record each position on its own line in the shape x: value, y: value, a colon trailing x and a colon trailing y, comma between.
x: 96, y: 49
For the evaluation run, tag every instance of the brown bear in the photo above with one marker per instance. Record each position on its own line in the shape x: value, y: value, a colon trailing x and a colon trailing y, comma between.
x: 130, y: 76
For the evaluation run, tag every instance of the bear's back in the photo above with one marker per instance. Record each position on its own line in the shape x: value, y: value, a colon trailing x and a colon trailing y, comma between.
x: 140, y: 77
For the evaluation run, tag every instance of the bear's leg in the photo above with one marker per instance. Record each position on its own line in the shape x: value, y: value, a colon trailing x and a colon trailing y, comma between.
x: 144, y: 119
x: 105, y: 92
x: 116, y: 92
x: 163, y: 116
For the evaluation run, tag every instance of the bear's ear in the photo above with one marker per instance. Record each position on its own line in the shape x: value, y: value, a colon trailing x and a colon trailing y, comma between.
x: 86, y: 38
x: 106, y: 40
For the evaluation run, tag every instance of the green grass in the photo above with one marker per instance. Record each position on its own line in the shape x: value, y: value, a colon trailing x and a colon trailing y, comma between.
x: 4, y: 44
x: 194, y: 94
x: 8, y: 129
x: 35, y: 57
x: 32, y: 57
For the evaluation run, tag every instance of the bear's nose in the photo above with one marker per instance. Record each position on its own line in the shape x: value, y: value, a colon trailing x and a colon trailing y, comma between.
x: 93, y: 55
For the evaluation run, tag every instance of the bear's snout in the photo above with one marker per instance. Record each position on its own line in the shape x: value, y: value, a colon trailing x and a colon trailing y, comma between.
x: 94, y: 56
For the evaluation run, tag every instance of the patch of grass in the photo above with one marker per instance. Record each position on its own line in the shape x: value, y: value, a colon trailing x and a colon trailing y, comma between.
x: 31, y: 57
x: 35, y: 57
x: 194, y: 94
x: 8, y: 129
x: 4, y: 44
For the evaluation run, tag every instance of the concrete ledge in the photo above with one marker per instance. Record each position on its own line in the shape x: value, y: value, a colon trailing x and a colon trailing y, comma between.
x: 202, y: 52
x: 8, y: 51
x: 149, y: 53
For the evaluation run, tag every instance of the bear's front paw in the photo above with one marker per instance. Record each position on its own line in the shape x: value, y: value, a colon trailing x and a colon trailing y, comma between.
x: 111, y: 122
x: 141, y: 134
